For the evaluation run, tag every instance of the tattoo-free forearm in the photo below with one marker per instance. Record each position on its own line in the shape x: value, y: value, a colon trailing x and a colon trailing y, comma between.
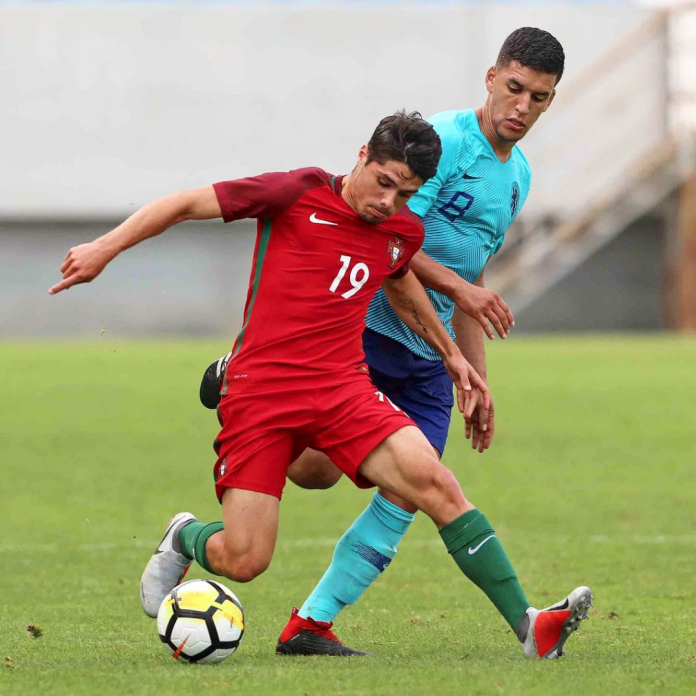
x: 158, y: 216
x: 434, y: 275
x: 470, y: 341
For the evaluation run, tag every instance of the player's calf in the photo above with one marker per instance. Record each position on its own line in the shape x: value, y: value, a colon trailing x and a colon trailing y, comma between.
x: 238, y: 567
x: 243, y: 549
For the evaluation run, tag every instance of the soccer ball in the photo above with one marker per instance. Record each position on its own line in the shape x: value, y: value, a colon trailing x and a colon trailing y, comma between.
x: 201, y: 621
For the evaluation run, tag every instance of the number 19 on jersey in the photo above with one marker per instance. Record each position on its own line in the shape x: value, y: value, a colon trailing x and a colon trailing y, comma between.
x: 359, y: 275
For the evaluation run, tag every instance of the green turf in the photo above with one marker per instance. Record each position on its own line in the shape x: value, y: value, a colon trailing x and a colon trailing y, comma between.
x: 590, y: 481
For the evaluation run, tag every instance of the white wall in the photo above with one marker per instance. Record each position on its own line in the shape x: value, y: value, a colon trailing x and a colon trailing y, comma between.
x: 105, y: 107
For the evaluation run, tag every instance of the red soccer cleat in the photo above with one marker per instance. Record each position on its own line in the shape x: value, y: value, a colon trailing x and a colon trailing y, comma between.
x: 308, y: 637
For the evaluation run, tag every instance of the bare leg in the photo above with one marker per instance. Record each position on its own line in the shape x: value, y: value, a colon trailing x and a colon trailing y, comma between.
x: 243, y: 550
x: 314, y: 470
x: 406, y: 465
x: 400, y: 502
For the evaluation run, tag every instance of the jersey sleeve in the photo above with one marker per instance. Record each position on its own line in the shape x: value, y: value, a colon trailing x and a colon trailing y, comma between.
x: 266, y: 195
x: 446, y: 127
x: 415, y: 242
x: 401, y: 271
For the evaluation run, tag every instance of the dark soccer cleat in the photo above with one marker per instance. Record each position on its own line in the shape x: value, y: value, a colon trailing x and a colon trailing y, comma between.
x: 548, y: 629
x: 211, y: 384
x: 308, y: 637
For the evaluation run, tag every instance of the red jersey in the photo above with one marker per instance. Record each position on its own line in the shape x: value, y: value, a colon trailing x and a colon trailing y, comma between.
x: 316, y: 267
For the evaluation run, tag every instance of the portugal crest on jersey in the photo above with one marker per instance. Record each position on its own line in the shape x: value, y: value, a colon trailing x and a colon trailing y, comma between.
x: 515, y: 199
x: 395, y: 251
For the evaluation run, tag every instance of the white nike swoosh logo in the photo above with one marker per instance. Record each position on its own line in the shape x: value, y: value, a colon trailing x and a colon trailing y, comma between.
x: 313, y: 218
x: 476, y: 548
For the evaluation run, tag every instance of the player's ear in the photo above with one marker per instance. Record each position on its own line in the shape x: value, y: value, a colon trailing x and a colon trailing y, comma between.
x: 363, y: 155
x: 548, y: 103
x: 490, y: 77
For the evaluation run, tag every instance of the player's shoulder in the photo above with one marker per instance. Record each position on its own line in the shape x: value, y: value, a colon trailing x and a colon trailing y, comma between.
x: 407, y: 223
x: 310, y: 177
x: 451, y: 126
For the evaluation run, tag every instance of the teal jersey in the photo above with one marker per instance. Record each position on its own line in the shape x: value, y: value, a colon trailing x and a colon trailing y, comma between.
x: 466, y: 209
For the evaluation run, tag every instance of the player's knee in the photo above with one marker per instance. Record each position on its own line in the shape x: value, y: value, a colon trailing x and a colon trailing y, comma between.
x: 442, y: 487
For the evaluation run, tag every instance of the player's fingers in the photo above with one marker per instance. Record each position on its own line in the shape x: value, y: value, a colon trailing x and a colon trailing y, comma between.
x: 68, y: 267
x: 477, y: 381
x: 505, y: 323
x: 483, y: 418
x: 63, y: 285
x: 485, y: 326
x: 467, y: 430
x: 67, y: 261
x: 485, y: 401
x: 508, y: 312
x: 472, y: 402
x: 490, y: 431
x: 460, y: 399
x: 497, y: 324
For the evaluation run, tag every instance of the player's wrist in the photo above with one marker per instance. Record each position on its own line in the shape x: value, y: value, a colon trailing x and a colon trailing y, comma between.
x: 461, y: 294
x: 111, y: 245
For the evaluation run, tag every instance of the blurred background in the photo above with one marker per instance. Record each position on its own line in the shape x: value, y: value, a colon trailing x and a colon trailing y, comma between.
x: 106, y: 105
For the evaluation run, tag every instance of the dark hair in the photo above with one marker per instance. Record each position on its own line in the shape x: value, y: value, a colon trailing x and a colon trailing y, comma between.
x: 406, y: 138
x: 535, y: 49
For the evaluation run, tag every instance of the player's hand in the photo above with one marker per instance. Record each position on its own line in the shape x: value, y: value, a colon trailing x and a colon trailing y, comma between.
x: 487, y: 307
x: 481, y: 439
x: 472, y: 390
x: 82, y: 265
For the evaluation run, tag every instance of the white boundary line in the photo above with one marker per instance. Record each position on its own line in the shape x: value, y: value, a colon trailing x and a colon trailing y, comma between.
x: 321, y: 542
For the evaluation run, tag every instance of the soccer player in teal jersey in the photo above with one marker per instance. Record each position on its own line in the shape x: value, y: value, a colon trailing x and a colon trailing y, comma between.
x: 481, y: 184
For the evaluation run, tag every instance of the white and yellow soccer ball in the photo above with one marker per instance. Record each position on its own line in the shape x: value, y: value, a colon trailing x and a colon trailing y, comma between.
x: 201, y: 621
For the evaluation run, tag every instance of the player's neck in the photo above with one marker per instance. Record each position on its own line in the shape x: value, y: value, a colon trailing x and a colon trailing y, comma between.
x: 347, y: 190
x: 502, y: 148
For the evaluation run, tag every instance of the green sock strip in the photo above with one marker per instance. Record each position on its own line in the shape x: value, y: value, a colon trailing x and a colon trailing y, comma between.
x: 193, y: 538
x: 480, y: 556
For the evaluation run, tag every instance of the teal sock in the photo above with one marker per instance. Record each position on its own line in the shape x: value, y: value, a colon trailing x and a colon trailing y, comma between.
x: 361, y: 555
x: 193, y: 538
x: 480, y: 556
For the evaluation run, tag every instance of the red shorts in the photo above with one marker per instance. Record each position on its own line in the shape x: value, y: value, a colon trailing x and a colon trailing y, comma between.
x: 263, y: 432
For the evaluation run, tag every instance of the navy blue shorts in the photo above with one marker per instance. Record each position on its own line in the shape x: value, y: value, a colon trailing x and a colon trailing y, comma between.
x: 421, y: 388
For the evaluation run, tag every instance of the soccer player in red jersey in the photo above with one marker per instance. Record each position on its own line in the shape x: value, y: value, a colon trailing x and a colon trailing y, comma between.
x: 297, y: 379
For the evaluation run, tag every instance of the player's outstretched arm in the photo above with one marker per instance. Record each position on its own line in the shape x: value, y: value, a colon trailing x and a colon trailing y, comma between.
x: 86, y: 261
x: 470, y: 342
x: 411, y: 303
x: 484, y: 305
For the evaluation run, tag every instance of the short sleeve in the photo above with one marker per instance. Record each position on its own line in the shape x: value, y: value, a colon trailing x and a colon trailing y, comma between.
x: 401, y: 271
x: 266, y: 195
x: 451, y: 139
x: 415, y: 238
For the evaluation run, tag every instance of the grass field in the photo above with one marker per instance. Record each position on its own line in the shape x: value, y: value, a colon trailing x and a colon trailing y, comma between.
x: 590, y: 481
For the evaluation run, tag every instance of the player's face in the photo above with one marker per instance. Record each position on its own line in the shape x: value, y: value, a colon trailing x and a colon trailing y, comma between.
x: 379, y: 190
x: 517, y: 97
